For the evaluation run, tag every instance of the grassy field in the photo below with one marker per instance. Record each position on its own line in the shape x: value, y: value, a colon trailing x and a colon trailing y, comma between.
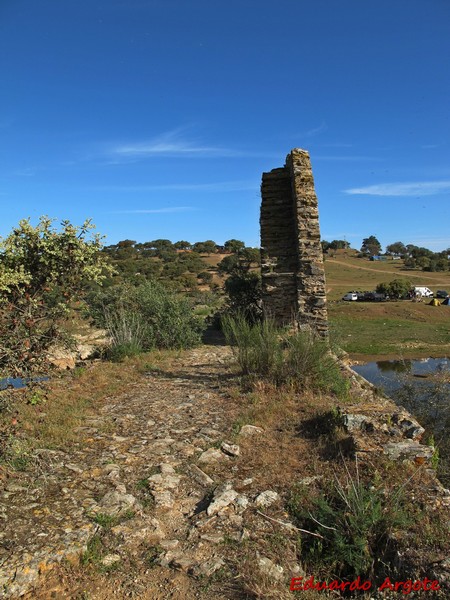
x: 403, y: 329
x: 346, y: 273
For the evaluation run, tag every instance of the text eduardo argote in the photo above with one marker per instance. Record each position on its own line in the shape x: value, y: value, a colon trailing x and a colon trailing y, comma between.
x: 299, y: 584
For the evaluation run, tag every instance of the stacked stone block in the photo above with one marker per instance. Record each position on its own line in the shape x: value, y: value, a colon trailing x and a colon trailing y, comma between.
x: 293, y: 276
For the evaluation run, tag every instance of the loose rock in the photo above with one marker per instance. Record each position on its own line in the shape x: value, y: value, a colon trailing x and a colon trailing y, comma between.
x: 265, y: 499
x: 230, y: 449
x: 223, y: 497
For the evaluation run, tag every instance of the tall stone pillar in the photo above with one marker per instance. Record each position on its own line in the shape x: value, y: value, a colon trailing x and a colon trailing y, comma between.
x: 293, y: 276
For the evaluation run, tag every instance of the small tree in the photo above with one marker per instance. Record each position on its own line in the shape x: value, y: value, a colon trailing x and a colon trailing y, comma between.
x: 339, y: 245
x: 244, y: 293
x: 325, y: 245
x: 207, y: 247
x: 396, y: 289
x: 240, y: 262
x: 397, y: 248
x: 205, y: 277
x: 182, y: 245
x: 371, y: 246
x: 234, y: 245
x: 42, y: 270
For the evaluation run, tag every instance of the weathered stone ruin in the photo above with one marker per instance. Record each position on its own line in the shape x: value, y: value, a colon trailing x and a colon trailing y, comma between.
x: 293, y: 276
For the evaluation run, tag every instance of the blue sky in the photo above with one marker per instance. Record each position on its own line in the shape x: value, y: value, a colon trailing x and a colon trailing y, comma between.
x: 156, y: 118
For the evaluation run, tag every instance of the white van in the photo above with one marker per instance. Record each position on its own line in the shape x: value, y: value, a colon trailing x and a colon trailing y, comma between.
x: 423, y: 291
x: 352, y: 296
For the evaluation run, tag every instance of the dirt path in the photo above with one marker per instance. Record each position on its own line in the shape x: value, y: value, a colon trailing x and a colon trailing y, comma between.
x: 346, y: 264
x: 132, y: 492
x: 171, y: 493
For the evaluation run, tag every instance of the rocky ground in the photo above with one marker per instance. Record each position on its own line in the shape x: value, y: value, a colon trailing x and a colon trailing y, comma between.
x: 152, y: 482
x: 164, y: 483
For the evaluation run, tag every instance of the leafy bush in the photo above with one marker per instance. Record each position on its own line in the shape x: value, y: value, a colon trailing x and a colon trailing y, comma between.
x: 258, y: 349
x: 146, y: 316
x: 126, y: 331
x: 351, y: 527
x: 42, y: 270
x: 397, y: 288
x: 298, y: 359
x: 244, y: 293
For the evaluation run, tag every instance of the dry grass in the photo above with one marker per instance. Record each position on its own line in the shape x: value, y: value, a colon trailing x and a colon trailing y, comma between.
x: 287, y: 452
x: 346, y: 272
x: 47, y: 415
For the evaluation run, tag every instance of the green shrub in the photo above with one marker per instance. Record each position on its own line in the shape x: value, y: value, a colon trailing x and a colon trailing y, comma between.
x: 244, y: 295
x: 299, y: 359
x: 119, y: 352
x: 146, y: 316
x: 351, y: 527
x: 395, y: 289
x: 258, y: 348
x: 43, y: 270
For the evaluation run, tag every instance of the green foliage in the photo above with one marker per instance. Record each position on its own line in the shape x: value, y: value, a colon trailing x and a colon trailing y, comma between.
x: 371, y: 246
x: 234, y: 245
x: 335, y: 245
x: 135, y: 262
x: 42, y: 270
x: 244, y: 295
x: 397, y: 288
x: 152, y: 555
x: 397, y: 248
x: 118, y: 352
x: 94, y: 551
x: 435, y: 458
x: 205, y: 277
x: 241, y: 261
x: 208, y: 247
x: 145, y: 317
x: 350, y: 527
x: 105, y: 520
x: 228, y: 264
x: 438, y: 264
x: 299, y: 359
x: 36, y: 397
x: 182, y: 245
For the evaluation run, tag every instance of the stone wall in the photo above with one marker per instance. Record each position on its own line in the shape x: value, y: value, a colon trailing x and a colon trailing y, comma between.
x: 293, y: 276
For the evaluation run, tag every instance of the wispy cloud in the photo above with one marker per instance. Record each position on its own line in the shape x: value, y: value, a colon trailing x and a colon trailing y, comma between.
x: 167, y: 209
x: 26, y: 172
x: 171, y: 143
x: 315, y: 130
x: 418, y: 188
x: 220, y: 186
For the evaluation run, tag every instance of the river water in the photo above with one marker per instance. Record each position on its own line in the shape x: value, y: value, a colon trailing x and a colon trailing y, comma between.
x: 423, y: 388
x: 391, y: 375
x: 19, y: 382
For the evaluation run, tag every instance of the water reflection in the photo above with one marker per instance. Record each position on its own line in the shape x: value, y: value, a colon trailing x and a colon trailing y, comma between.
x: 19, y: 382
x: 397, y: 366
x: 423, y: 388
x: 391, y: 375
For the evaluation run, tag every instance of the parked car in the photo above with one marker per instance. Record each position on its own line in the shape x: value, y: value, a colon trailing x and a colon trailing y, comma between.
x: 352, y: 296
x: 423, y: 291
x: 375, y: 297
x: 441, y: 294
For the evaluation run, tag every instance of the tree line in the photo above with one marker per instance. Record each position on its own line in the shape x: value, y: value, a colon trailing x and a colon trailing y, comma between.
x: 182, y: 264
x: 414, y: 257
